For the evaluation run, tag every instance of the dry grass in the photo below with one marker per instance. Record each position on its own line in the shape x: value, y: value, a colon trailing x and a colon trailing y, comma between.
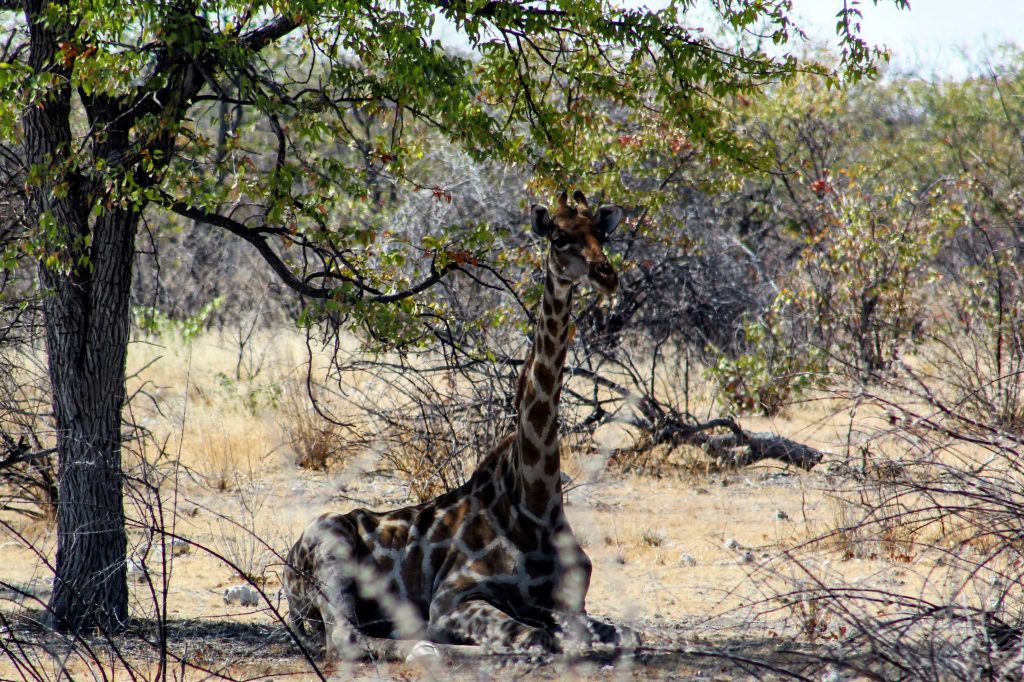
x: 225, y: 451
x: 316, y: 442
x: 686, y: 542
x: 208, y: 413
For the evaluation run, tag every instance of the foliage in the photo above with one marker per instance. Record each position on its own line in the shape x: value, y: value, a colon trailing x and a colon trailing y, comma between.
x: 861, y: 284
x: 151, y: 320
x: 769, y: 375
x: 975, y: 134
x: 296, y: 150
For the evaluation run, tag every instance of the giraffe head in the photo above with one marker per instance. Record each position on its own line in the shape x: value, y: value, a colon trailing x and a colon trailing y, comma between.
x: 577, y: 236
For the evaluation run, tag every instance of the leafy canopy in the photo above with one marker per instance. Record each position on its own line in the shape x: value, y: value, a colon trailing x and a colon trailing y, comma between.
x: 290, y: 123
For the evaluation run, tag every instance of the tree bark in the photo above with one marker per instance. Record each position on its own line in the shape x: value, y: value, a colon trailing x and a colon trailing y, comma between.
x: 87, y: 324
x: 85, y: 275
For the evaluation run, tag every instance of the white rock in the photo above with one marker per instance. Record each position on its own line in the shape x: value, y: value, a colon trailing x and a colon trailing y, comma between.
x: 242, y: 594
x: 687, y: 559
x: 732, y: 545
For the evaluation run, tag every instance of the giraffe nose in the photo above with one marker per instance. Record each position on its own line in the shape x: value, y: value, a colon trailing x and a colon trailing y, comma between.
x: 603, y: 275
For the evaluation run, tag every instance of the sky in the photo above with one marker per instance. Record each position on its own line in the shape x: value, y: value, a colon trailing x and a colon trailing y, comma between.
x: 934, y: 38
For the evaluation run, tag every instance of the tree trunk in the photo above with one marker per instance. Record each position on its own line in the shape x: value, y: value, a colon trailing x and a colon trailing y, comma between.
x: 87, y: 324
x: 85, y: 275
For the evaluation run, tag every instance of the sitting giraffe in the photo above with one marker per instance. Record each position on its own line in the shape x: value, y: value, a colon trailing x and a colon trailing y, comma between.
x: 493, y: 562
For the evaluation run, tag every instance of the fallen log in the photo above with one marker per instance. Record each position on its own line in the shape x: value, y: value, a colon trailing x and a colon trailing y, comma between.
x: 739, y: 448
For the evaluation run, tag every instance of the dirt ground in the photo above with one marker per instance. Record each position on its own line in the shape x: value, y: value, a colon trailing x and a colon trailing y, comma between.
x: 695, y: 561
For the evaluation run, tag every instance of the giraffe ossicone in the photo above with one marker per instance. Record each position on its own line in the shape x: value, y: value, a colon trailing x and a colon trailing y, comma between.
x: 493, y: 562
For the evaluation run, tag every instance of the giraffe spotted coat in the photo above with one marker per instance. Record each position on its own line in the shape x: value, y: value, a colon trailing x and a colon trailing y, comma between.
x: 493, y: 562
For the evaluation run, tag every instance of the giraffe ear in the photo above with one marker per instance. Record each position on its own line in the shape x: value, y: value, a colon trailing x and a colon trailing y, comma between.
x: 541, y: 220
x: 608, y: 218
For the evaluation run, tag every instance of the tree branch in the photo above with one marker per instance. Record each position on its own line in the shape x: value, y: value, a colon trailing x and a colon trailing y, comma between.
x: 271, y: 32
x: 256, y: 237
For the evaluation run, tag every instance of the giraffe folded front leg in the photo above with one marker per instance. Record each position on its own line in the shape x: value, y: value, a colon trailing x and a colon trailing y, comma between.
x: 580, y: 631
x: 480, y: 622
x: 343, y: 642
x: 306, y: 624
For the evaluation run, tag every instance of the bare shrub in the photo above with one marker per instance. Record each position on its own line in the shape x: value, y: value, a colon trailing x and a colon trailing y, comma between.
x: 977, y: 337
x: 874, y: 516
x: 28, y: 470
x: 243, y: 538
x: 183, y: 266
x: 950, y: 506
x: 28, y: 467
x: 653, y: 537
x: 421, y: 418
x: 811, y: 615
x: 318, y: 442
x: 695, y: 282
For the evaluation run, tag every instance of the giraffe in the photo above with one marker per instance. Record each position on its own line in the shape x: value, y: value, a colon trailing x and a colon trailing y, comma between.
x: 493, y: 562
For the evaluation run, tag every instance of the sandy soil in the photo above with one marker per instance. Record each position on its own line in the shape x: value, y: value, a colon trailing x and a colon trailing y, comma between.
x: 695, y: 561
x: 689, y: 561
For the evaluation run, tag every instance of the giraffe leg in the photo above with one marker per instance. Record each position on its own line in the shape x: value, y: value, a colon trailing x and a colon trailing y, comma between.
x: 319, y: 582
x: 480, y: 622
x: 580, y: 631
x: 304, y: 620
x: 344, y: 642
x: 322, y: 615
x: 300, y: 589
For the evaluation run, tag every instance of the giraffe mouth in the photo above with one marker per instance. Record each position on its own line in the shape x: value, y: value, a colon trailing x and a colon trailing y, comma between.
x: 603, y: 277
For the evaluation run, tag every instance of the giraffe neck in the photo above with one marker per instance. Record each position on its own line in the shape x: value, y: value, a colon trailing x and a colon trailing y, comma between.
x: 540, y: 383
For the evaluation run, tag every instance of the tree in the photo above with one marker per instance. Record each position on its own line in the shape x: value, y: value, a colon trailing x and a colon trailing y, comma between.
x: 106, y: 106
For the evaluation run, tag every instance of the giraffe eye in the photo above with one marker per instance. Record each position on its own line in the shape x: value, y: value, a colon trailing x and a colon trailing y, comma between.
x: 559, y: 239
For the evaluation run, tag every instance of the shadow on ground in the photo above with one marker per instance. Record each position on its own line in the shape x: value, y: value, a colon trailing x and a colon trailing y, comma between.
x: 232, y: 650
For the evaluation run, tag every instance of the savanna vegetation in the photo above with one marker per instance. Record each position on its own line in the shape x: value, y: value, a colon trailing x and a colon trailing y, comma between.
x: 253, y: 254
